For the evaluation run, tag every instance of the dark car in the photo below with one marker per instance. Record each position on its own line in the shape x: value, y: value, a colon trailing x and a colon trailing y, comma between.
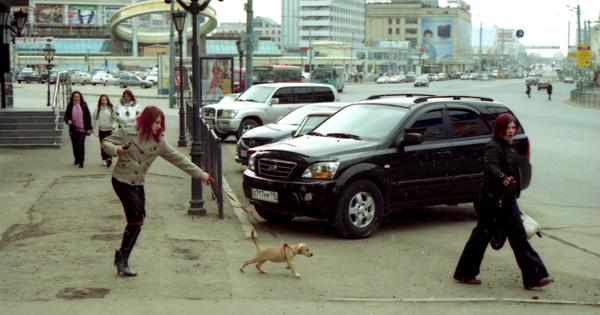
x: 421, y: 82
x: 44, y: 75
x: 28, y: 77
x: 64, y: 77
x: 542, y: 85
x: 355, y: 167
x: 532, y: 81
x: 281, y: 129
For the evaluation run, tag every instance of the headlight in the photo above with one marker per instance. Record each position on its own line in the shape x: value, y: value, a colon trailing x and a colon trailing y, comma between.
x: 229, y: 113
x: 323, y: 170
x: 252, y: 163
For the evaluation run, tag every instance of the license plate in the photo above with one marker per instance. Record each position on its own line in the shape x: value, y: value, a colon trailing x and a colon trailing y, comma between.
x: 265, y: 195
x: 243, y: 153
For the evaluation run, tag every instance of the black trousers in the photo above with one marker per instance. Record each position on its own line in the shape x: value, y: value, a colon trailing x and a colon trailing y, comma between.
x: 532, y: 267
x: 101, y: 136
x: 78, y: 141
x: 133, y: 199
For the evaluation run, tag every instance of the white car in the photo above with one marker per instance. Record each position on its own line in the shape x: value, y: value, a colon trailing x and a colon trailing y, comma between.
x: 383, y: 79
x: 395, y: 79
x: 153, y: 76
x: 104, y: 78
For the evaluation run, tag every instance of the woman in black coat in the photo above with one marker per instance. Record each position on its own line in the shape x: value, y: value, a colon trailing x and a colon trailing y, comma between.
x: 78, y: 117
x: 498, y: 208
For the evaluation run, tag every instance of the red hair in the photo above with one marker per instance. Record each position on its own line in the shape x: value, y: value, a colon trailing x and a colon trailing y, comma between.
x: 502, y: 122
x: 147, y: 119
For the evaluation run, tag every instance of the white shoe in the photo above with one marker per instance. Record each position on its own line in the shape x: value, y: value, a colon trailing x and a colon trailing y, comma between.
x: 103, y: 162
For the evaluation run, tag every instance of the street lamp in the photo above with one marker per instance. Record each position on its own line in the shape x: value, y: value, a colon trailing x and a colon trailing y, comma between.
x: 197, y: 203
x: 49, y: 55
x: 178, y: 18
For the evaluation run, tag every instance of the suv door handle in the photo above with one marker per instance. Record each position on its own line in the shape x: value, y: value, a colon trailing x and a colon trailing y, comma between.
x: 443, y: 153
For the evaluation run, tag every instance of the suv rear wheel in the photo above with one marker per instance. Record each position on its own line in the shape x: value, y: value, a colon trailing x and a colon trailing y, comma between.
x: 222, y: 135
x: 246, y: 125
x: 271, y: 216
x: 360, y: 210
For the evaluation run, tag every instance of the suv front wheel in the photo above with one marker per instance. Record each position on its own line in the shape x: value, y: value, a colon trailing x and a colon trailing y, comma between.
x: 360, y: 210
x: 246, y: 125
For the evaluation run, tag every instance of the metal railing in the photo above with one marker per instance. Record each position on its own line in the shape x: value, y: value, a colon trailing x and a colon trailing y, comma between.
x: 60, y: 99
x: 211, y: 148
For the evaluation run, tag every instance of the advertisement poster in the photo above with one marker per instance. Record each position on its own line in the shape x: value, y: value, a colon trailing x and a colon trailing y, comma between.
x: 108, y: 13
x: 217, y: 79
x: 84, y: 14
x: 49, y: 14
x: 438, y: 37
x: 464, y: 39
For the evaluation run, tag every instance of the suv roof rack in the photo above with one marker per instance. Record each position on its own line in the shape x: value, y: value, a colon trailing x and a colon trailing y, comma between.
x: 453, y: 97
x: 374, y: 97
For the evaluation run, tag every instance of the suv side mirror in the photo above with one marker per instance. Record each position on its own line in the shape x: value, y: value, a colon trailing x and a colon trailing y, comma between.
x: 411, y: 139
x: 274, y: 101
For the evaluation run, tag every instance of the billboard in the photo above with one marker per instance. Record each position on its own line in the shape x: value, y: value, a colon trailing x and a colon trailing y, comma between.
x: 438, y: 37
x: 49, y: 14
x: 217, y: 79
x: 84, y: 14
x: 109, y: 12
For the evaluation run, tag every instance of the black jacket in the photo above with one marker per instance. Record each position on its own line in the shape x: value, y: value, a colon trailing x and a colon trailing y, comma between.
x: 87, y: 117
x: 501, y: 162
x: 549, y: 89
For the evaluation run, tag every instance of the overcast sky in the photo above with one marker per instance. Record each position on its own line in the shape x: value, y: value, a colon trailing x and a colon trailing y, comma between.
x: 544, y: 22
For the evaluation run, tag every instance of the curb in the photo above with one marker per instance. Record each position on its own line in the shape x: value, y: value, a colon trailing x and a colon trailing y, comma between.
x: 247, y: 226
x: 452, y: 300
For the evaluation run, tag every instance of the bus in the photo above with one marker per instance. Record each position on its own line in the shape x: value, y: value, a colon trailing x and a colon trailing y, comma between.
x: 276, y: 74
x: 329, y: 75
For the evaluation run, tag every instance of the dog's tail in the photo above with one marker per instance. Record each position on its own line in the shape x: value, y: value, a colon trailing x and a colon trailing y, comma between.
x: 252, y: 237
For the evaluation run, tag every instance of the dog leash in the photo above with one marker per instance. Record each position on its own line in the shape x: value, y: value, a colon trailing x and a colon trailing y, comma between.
x: 212, y: 180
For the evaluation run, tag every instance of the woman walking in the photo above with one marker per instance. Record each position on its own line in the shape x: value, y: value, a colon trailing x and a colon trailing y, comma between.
x: 137, y: 147
x: 77, y: 116
x: 127, y: 110
x: 498, y: 208
x: 105, y: 121
x: 528, y: 92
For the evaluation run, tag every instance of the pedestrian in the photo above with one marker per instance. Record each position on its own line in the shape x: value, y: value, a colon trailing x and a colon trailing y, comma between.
x: 549, y: 90
x: 137, y: 146
x: 128, y: 109
x: 528, y: 92
x: 104, y: 122
x: 360, y: 76
x: 77, y: 116
x: 498, y: 209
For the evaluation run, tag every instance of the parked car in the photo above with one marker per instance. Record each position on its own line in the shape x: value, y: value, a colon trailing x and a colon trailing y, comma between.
x: 432, y: 76
x: 229, y: 97
x: 410, y: 78
x: 542, y: 85
x: 44, y: 75
x: 263, y: 104
x: 121, y: 74
x: 473, y: 76
x: 104, y: 78
x: 421, y: 82
x: 455, y: 75
x: 141, y: 74
x: 395, y: 79
x: 443, y: 76
x: 281, y: 129
x: 82, y: 78
x: 355, y: 168
x: 153, y: 76
x: 382, y: 80
x: 133, y: 80
x: 569, y: 80
x: 532, y: 80
x: 64, y: 77
x: 28, y: 76
x: 464, y: 76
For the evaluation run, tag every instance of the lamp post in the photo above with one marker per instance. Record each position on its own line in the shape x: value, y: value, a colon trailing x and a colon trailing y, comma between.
x: 197, y: 203
x: 49, y: 55
x: 19, y: 19
x: 178, y: 18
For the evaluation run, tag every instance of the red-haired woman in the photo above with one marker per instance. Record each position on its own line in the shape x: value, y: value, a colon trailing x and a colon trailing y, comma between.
x: 498, y: 208
x: 77, y: 116
x: 137, y: 147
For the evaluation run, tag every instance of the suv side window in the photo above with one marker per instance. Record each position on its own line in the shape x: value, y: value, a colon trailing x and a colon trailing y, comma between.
x: 497, y: 111
x: 467, y: 124
x: 430, y: 126
x: 284, y: 95
x: 323, y: 94
x: 303, y: 95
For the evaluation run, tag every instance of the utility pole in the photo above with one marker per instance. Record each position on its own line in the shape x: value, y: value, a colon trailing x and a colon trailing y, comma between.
x: 309, y: 53
x: 480, y: 37
x: 351, y: 52
x: 172, y: 61
x: 249, y: 43
x: 502, y: 53
x: 134, y: 41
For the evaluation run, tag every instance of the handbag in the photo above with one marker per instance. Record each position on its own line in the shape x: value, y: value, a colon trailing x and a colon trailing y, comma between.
x: 531, y: 227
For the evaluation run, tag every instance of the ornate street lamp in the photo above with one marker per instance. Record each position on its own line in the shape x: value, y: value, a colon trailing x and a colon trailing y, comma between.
x: 49, y: 55
x: 178, y: 18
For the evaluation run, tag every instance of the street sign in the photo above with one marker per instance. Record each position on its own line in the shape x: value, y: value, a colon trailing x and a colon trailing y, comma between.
x: 520, y: 34
x: 243, y: 41
x: 584, y: 56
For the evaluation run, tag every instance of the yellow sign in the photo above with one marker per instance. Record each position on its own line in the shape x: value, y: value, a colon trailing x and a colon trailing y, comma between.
x: 584, y: 56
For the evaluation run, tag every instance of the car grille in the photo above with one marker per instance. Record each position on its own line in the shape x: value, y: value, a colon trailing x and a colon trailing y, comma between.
x: 210, y: 112
x: 251, y: 143
x: 275, y: 168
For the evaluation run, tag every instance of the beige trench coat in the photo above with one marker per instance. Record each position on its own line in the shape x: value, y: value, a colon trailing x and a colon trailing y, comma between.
x: 132, y: 166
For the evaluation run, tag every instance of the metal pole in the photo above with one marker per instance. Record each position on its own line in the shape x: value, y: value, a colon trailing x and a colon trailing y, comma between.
x: 172, y: 58
x: 182, y: 136
x: 48, y: 78
x: 568, y: 44
x: 351, y: 52
x: 480, y: 37
x: 134, y: 41
x: 249, y: 43
x: 502, y: 52
x: 309, y: 53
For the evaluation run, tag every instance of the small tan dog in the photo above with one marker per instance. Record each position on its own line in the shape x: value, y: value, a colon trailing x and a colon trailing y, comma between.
x: 276, y: 254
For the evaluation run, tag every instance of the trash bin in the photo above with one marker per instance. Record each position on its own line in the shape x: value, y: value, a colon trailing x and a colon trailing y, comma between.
x: 173, y: 103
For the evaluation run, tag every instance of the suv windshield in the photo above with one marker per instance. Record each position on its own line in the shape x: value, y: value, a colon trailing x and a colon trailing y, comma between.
x: 363, y: 121
x: 257, y: 93
x: 296, y: 117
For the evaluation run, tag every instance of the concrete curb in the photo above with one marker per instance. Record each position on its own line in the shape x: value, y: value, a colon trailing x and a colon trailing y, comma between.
x: 451, y: 300
x: 247, y: 226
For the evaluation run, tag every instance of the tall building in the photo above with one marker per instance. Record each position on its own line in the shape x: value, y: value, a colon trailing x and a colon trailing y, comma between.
x: 267, y: 29
x: 322, y: 21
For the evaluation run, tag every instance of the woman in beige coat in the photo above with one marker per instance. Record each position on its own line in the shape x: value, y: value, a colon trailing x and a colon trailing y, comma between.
x: 137, y: 147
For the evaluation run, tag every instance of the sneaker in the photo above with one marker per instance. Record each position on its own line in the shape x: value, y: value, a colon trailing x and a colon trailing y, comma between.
x: 103, y: 162
x: 108, y: 162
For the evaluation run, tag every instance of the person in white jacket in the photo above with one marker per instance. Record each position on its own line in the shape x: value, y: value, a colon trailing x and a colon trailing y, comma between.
x: 104, y: 120
x: 127, y: 110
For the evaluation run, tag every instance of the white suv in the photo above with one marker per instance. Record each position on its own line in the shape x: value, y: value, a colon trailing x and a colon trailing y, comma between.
x: 264, y: 104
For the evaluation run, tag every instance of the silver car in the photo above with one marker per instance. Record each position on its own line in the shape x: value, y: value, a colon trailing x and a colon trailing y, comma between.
x: 104, y: 78
x: 81, y: 78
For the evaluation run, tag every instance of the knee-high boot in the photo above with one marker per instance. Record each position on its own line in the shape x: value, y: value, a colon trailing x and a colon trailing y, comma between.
x: 122, y: 256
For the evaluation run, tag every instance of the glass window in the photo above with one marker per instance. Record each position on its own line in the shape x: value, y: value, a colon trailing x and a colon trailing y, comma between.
x: 430, y: 126
x: 410, y: 31
x: 303, y: 95
x: 467, y: 124
x: 389, y: 31
x: 389, y: 21
x: 284, y: 95
x: 397, y: 31
x: 323, y: 94
x: 411, y: 21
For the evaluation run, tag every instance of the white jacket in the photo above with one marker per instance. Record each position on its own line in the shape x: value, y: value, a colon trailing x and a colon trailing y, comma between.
x: 106, y: 120
x: 126, y: 114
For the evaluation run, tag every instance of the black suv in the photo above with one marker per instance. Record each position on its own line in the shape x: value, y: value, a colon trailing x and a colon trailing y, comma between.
x: 376, y: 156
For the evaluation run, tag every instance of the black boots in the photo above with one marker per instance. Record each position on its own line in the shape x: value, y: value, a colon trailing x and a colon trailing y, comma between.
x: 122, y: 256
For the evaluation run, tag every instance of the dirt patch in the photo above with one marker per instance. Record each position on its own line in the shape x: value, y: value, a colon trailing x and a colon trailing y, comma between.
x: 82, y: 293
